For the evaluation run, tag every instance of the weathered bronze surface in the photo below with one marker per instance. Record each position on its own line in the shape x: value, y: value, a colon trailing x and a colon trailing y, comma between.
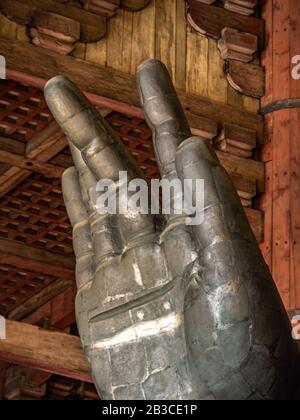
x: 191, y: 312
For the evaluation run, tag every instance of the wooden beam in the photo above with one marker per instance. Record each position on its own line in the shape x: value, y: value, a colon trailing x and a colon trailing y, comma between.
x: 49, y: 351
x: 13, y: 146
x: 34, y: 259
x: 109, y: 88
x: 60, y: 310
x: 233, y: 164
x: 39, y: 299
x: 41, y: 142
x: 12, y: 177
x: 42, y: 147
x: 256, y: 220
x: 52, y: 171
x: 247, y: 168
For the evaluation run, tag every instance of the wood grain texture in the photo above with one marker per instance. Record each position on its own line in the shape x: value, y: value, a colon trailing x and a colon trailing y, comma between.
x: 237, y: 45
x: 44, y: 350
x: 39, y: 149
x: 39, y: 299
x: 27, y: 257
x: 281, y: 245
x: 210, y: 20
x: 44, y: 168
x: 134, y: 5
x: 295, y: 161
x: 247, y: 79
x: 217, y: 85
x: 60, y: 310
x: 92, y: 27
x: 197, y: 74
x: 281, y: 153
x: 127, y: 43
x: 109, y: 88
x: 143, y: 41
x: 244, y: 7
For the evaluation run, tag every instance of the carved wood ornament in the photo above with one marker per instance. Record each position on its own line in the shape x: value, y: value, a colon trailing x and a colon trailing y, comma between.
x: 58, y: 24
x: 240, y: 36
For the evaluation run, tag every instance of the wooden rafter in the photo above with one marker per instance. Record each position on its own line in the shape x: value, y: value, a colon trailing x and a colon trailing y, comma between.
x: 108, y: 88
x: 60, y: 310
x: 26, y: 257
x: 39, y: 299
x: 48, y: 148
x: 34, y: 165
x: 34, y: 157
x: 49, y: 351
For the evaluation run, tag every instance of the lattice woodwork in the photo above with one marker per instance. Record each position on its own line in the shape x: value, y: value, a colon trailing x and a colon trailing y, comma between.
x: 23, y: 111
x: 16, y: 286
x: 34, y: 213
x: 137, y: 137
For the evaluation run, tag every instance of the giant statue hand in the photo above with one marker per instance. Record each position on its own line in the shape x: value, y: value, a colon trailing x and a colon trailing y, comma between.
x: 183, y: 312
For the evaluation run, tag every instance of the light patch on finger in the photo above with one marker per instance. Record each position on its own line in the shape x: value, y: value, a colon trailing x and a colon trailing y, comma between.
x: 166, y: 325
x: 137, y: 275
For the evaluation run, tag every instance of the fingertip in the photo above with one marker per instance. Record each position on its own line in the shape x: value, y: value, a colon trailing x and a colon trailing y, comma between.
x: 64, y: 99
x: 153, y: 80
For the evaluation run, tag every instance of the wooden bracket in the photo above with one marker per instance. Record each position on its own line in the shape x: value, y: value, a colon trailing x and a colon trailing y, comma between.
x: 243, y: 7
x: 239, y: 37
x: 236, y: 140
x: 57, y: 26
x: 210, y: 20
x: 55, y: 32
x: 101, y: 7
x: 237, y: 45
x: 134, y: 5
x: 247, y: 79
